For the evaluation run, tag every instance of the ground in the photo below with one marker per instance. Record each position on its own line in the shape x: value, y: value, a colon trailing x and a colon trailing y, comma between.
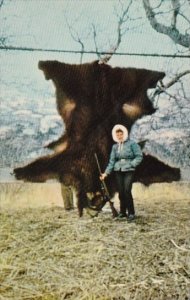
x: 50, y: 254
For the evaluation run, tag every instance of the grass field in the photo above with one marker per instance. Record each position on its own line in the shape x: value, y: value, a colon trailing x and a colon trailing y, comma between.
x: 49, y: 254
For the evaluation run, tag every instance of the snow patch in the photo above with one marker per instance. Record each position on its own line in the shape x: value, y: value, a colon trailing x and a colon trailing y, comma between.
x: 22, y: 112
x: 166, y: 134
x: 49, y: 122
x: 4, y: 130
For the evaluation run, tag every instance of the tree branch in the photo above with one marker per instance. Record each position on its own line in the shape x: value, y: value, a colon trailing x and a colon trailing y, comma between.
x: 121, y: 20
x: 176, y: 7
x: 171, y: 31
x: 162, y: 88
x: 176, y: 78
x: 1, y: 3
x: 76, y: 38
x: 95, y: 42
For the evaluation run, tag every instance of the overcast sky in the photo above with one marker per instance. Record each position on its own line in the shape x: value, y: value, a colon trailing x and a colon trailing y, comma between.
x: 42, y: 24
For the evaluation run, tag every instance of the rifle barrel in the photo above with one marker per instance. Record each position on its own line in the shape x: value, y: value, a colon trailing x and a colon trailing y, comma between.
x: 98, y: 164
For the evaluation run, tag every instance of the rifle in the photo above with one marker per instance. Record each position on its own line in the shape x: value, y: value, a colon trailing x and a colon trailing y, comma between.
x: 105, y: 192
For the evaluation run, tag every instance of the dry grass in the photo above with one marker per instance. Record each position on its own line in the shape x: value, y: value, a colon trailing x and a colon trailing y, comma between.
x: 49, y: 254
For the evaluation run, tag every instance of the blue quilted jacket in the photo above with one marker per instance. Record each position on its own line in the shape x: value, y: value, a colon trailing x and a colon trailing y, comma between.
x: 124, y: 157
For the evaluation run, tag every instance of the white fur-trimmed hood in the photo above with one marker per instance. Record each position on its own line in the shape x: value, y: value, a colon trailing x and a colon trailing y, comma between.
x: 123, y: 128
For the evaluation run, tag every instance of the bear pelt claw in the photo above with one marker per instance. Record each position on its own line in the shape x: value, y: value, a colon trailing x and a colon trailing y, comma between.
x: 17, y: 172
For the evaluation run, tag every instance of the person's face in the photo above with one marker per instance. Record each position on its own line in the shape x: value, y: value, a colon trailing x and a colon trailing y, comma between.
x: 119, y: 136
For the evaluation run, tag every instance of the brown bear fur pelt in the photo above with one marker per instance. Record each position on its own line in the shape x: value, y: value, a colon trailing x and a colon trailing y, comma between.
x: 87, y: 94
x: 92, y: 98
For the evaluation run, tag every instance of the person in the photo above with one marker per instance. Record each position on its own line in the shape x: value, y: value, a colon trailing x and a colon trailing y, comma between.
x: 67, y: 195
x: 125, y: 156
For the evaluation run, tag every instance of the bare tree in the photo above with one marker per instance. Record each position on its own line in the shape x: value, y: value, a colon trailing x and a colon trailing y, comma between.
x: 122, y: 19
x: 122, y: 14
x: 76, y: 37
x: 171, y: 18
x: 176, y: 15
